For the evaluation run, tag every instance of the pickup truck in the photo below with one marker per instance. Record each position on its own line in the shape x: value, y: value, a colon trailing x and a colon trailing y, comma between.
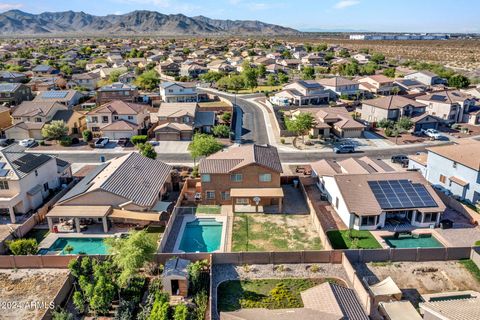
x: 101, y: 142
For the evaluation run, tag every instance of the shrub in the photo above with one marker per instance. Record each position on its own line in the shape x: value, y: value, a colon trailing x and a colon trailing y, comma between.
x: 388, y: 132
x: 201, y: 300
x: 23, y: 246
x: 221, y: 130
x: 147, y: 150
x: 61, y: 314
x: 181, y: 312
x: 138, y: 139
x: 226, y: 117
x: 75, y: 141
x: 79, y: 302
x: 87, y: 135
x: 42, y: 143
x: 282, y: 140
x: 66, y: 141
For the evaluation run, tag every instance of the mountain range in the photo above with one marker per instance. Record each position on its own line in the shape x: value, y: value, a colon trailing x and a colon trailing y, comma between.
x: 17, y: 22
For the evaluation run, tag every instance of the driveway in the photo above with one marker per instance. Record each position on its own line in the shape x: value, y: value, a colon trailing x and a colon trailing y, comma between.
x: 376, y: 140
x: 172, y: 147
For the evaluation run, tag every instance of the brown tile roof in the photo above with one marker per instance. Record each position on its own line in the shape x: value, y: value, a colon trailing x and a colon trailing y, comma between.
x: 175, y: 126
x: 34, y: 108
x: 467, y: 154
x: 177, y: 109
x: 446, y: 96
x: 392, y: 102
x: 120, y: 125
x: 337, y: 81
x: 119, y: 107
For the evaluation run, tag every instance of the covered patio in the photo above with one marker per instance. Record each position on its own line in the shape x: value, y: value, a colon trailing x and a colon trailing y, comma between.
x: 255, y: 199
x: 60, y: 216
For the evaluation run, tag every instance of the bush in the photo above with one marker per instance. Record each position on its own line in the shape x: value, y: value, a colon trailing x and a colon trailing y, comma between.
x: 147, y: 150
x: 221, y: 130
x: 388, y: 132
x: 60, y: 314
x: 181, y: 312
x: 138, y: 139
x: 42, y: 143
x: 23, y: 246
x: 75, y: 141
x: 87, y: 135
x: 282, y: 140
x: 201, y: 300
x: 66, y: 141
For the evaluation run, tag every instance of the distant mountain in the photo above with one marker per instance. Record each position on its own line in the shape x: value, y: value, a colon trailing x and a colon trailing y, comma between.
x: 339, y: 30
x: 16, y: 22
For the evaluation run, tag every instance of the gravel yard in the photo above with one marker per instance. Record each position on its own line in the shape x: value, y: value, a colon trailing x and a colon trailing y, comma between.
x: 22, y: 291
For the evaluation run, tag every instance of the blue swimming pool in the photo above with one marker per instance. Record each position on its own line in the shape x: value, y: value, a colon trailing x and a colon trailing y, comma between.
x: 201, y: 235
x: 90, y: 246
x: 413, y: 241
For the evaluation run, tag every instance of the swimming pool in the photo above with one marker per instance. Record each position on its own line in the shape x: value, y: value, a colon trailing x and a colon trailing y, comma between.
x: 88, y: 246
x: 201, y: 235
x: 413, y: 241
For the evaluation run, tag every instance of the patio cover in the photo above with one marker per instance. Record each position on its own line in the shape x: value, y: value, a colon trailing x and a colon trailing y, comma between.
x: 132, y: 215
x: 256, y: 192
x: 79, y: 211
x: 387, y: 287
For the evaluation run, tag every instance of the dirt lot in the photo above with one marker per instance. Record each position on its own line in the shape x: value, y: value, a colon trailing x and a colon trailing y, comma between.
x: 22, y: 289
x: 416, y: 278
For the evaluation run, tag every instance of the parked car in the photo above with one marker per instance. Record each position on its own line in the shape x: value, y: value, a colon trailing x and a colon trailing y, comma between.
x: 101, y: 142
x: 432, y: 133
x: 344, y: 148
x: 122, y: 142
x: 400, y: 158
x: 6, y: 142
x: 27, y: 142
x: 153, y: 143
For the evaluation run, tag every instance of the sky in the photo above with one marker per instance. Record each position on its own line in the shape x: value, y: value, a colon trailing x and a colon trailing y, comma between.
x: 306, y: 15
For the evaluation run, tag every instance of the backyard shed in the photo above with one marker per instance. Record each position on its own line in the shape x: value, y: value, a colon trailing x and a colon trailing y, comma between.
x: 175, y: 277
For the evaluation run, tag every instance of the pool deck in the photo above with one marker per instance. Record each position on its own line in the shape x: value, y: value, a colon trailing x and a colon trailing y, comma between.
x: 190, y: 217
x: 380, y: 234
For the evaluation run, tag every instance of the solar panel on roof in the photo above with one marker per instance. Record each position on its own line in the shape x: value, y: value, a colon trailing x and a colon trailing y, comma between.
x: 54, y: 94
x: 401, y: 194
x: 2, y: 164
x: 3, y: 172
x: 30, y: 162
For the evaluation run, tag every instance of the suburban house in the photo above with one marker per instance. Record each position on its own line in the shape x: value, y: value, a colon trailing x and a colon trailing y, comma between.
x: 303, y: 92
x: 395, y: 107
x: 26, y: 180
x: 68, y: 98
x: 192, y: 70
x: 88, y: 80
x: 127, y: 188
x: 410, y: 86
x: 455, y: 168
x: 361, y: 58
x: 377, y: 84
x: 43, y: 70
x: 178, y: 121
x: 331, y: 121
x: 367, y: 194
x: 178, y: 92
x: 118, y: 119
x: 31, y: 116
x: 450, y: 106
x: 14, y: 93
x: 117, y: 91
x: 426, y: 77
x: 168, y: 68
x: 340, y: 86
x: 12, y: 77
x: 5, y: 118
x: 246, y: 177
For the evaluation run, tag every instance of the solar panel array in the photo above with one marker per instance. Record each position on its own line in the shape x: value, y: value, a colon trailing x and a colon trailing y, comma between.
x: 29, y: 162
x: 401, y: 194
x: 54, y: 94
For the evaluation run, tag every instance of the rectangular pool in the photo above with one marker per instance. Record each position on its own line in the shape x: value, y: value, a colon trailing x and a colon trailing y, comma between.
x: 201, y: 235
x: 413, y: 241
x: 90, y: 246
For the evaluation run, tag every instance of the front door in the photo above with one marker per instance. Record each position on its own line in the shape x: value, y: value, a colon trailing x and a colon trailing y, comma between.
x: 175, y: 288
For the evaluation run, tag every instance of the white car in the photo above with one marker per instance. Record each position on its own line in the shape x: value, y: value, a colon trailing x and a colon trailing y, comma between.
x: 101, y: 142
x: 432, y: 133
x: 27, y: 142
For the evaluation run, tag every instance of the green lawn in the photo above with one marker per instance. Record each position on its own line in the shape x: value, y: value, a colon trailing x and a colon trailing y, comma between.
x: 477, y: 244
x: 259, y: 89
x: 155, y: 232
x: 208, y: 209
x: 341, y: 239
x: 274, y: 232
x: 471, y: 267
x: 265, y: 293
x: 37, y: 234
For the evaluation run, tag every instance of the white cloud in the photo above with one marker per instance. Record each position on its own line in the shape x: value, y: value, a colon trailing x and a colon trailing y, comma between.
x: 345, y: 4
x: 9, y: 6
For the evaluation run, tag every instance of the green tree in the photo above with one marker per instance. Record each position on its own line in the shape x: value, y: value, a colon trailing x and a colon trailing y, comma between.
x: 236, y: 83
x: 261, y: 71
x: 23, y: 246
x: 329, y: 56
x: 272, y: 80
x: 308, y: 73
x: 250, y: 78
x: 60, y: 314
x: 201, y: 300
x: 221, y: 130
x: 103, y: 294
x: 211, y: 76
x: 385, y: 123
x: 66, y: 69
x: 286, y: 54
x: 79, y: 302
x: 377, y: 58
x: 404, y: 123
x: 300, y: 125
x: 283, y: 78
x: 55, y: 130
x: 203, y: 145
x: 87, y: 135
x: 131, y: 253
x: 343, y: 53
x: 181, y: 312
x: 389, y: 72
x: 147, y: 150
x: 226, y: 117
x: 458, y: 81
x: 320, y: 47
x: 148, y: 80
x: 115, y: 75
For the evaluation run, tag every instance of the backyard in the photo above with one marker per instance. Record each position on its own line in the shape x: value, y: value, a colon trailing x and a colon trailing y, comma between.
x: 274, y: 232
x: 208, y: 209
x: 155, y: 232
x: 267, y: 293
x: 352, y: 239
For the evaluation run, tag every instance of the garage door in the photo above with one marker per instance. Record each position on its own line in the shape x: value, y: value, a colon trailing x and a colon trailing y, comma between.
x: 186, y: 136
x: 168, y: 136
x: 425, y: 126
x: 115, y: 135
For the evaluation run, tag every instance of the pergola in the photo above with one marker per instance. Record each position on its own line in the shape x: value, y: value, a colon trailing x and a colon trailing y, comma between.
x: 257, y: 195
x: 79, y: 212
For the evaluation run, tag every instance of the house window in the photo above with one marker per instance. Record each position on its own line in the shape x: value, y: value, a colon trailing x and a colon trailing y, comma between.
x: 186, y: 119
x: 265, y: 177
x: 242, y: 201
x: 45, y: 186
x: 336, y: 202
x: 236, y: 177
x: 38, y: 119
x: 443, y: 179
x: 95, y: 129
x: 369, y: 221
x: 36, y: 173
x: 225, y: 195
x: 130, y: 117
x: 210, y: 195
x: 115, y: 117
x: 4, y: 185
x: 206, y: 178
x: 429, y: 217
x: 104, y: 119
x: 95, y: 119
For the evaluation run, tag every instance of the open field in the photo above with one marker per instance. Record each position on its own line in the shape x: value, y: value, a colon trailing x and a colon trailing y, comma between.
x: 22, y: 289
x: 274, y: 232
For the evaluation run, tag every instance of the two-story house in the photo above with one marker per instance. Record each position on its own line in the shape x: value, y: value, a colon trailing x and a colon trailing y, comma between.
x: 26, y: 179
x: 118, y: 119
x: 377, y: 84
x: 68, y: 98
x: 303, y: 92
x: 12, y: 77
x: 88, y: 80
x: 340, y: 86
x: 452, y: 106
x: 178, y: 92
x: 44, y: 70
x: 14, y: 93
x: 192, y: 70
x: 390, y: 108
x: 427, y: 78
x: 456, y: 168
x: 31, y: 116
x: 117, y: 91
x: 246, y: 177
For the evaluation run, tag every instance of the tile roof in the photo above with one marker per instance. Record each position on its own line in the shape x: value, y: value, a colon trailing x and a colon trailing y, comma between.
x: 455, y: 309
x: 21, y: 163
x: 120, y: 125
x: 337, y: 81
x: 449, y: 97
x: 393, y: 102
x: 467, y: 154
x: 33, y: 108
x: 119, y: 107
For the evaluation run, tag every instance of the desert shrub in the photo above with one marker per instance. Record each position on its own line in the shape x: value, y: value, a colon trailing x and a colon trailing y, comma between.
x: 66, y: 141
x: 23, y: 246
x: 138, y: 139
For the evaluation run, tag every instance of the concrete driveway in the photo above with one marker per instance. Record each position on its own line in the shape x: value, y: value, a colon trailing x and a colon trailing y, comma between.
x: 172, y: 147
